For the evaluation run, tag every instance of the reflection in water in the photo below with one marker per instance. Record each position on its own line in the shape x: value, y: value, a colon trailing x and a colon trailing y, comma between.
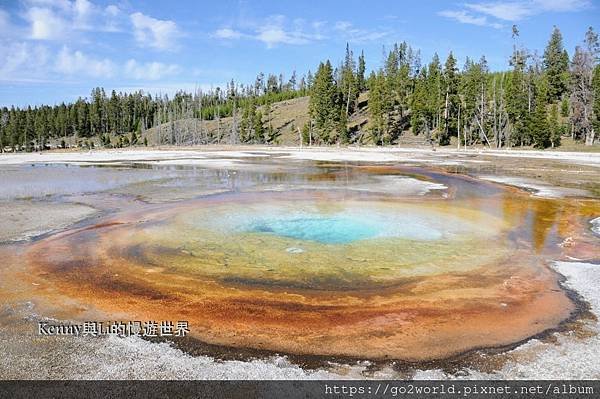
x: 360, y: 261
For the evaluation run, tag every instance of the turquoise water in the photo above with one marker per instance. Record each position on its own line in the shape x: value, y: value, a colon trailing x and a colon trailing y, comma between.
x: 327, y: 230
x: 348, y: 224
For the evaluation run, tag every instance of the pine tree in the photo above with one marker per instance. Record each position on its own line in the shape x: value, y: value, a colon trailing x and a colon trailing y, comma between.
x: 434, y: 99
x: 323, y: 109
x: 291, y: 85
x: 309, y: 80
x: 451, y: 99
x: 134, y: 138
x: 246, y: 122
x: 360, y: 73
x: 538, y: 125
x: 474, y: 99
x: 348, y: 87
x: 269, y: 132
x: 4, y: 115
x: 500, y: 121
x: 306, y: 139
x: 392, y: 88
x: 564, y: 108
x: 342, y: 128
x: 556, y: 66
x: 554, y: 127
x: 517, y: 96
x: 378, y: 119
x: 114, y: 108
x: 419, y: 111
x: 581, y: 95
x: 596, y: 100
x: 259, y: 130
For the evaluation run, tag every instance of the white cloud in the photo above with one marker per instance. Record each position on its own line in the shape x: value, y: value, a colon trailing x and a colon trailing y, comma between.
x: 508, y: 11
x: 77, y: 63
x: 273, y: 31
x: 356, y: 35
x: 277, y: 30
x: 112, y: 20
x: 465, y: 17
x: 517, y: 10
x: 46, y: 24
x: 274, y: 35
x: 343, y: 25
x: 23, y: 61
x: 62, y: 19
x: 112, y: 10
x: 227, y: 33
x: 155, y: 33
x: 36, y: 62
x: 83, y: 11
x: 149, y: 70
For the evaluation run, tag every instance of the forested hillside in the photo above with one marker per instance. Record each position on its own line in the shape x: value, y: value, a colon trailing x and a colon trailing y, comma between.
x: 536, y: 102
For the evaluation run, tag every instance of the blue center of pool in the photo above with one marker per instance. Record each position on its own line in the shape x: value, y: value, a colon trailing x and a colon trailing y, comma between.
x: 327, y: 230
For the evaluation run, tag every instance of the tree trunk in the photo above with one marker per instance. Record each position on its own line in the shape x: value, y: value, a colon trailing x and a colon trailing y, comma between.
x: 446, y: 114
x: 458, y: 128
x: 589, y: 138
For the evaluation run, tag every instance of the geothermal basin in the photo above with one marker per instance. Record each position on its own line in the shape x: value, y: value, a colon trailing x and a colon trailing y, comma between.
x: 308, y: 259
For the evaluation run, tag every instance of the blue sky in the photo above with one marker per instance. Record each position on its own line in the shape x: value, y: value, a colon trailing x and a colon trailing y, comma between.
x: 58, y: 50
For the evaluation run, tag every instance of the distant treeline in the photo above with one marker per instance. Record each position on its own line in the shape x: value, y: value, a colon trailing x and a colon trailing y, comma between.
x: 129, y: 114
x: 536, y: 102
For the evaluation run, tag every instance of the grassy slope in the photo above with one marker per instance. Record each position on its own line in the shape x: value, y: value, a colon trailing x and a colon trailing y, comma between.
x: 287, y: 117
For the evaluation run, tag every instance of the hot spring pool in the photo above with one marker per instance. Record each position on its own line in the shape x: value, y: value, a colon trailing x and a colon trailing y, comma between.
x: 326, y: 271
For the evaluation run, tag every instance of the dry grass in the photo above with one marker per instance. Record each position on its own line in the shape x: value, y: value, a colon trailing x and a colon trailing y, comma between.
x: 287, y: 119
